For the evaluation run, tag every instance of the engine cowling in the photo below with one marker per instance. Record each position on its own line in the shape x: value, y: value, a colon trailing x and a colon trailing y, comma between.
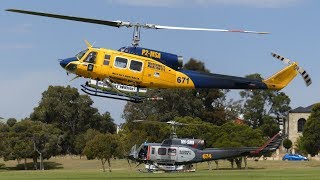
x: 172, y: 60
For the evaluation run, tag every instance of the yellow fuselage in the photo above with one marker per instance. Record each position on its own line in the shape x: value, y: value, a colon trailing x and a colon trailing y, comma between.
x: 130, y: 69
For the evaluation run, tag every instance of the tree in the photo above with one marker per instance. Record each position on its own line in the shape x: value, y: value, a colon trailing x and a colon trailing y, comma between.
x: 311, y: 132
x: 287, y: 143
x: 137, y: 133
x: 175, y: 103
x: 233, y: 135
x: 195, y: 65
x: 26, y: 138
x: 20, y: 144
x: 72, y: 113
x: 299, y: 147
x: 270, y: 127
x: 11, y: 121
x: 82, y: 139
x: 46, y: 139
x: 105, y: 124
x: 197, y: 128
x: 103, y: 147
x: 261, y: 103
x: 4, y: 130
x: 233, y: 109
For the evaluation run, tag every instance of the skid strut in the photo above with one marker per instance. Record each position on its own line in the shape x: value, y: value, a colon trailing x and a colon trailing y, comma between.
x: 112, y: 95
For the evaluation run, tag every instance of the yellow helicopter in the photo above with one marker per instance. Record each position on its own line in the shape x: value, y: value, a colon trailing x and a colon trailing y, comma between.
x: 126, y: 73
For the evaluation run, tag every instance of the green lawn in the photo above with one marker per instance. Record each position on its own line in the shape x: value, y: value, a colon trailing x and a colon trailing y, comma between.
x: 75, y: 168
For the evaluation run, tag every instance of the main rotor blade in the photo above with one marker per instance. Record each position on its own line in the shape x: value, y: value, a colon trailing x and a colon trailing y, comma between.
x: 152, y: 122
x: 72, y: 18
x: 126, y: 24
x: 202, y: 29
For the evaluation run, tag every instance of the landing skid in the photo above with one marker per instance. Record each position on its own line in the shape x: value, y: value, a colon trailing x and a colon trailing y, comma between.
x: 152, y: 168
x: 112, y: 95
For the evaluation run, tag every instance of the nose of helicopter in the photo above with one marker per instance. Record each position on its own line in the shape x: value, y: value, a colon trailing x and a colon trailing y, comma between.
x: 65, y: 62
x: 133, y: 153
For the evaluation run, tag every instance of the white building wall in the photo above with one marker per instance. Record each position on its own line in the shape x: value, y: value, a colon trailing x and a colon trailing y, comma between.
x: 291, y: 125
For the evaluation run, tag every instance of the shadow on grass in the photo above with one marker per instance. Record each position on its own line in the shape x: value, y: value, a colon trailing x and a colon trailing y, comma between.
x: 249, y: 168
x: 47, y: 166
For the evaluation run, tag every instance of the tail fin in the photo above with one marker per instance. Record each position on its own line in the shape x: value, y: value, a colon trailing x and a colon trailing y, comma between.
x: 270, y: 146
x: 282, y: 78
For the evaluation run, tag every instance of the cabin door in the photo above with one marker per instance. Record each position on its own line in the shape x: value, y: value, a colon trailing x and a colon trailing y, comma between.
x: 92, y: 65
x: 127, y: 71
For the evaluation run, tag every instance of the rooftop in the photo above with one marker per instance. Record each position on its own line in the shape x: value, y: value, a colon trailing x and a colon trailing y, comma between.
x: 302, y: 109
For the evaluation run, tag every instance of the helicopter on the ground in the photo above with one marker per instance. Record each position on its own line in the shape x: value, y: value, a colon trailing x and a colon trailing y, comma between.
x: 178, y: 154
x: 121, y: 74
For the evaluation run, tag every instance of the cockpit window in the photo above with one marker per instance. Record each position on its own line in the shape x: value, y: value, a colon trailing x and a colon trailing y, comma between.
x: 121, y: 62
x: 81, y: 54
x: 136, y: 65
x: 91, y: 57
x: 162, y: 151
x: 106, y: 59
x: 143, y: 152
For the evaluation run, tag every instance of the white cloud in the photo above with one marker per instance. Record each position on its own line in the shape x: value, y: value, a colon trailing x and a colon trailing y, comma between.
x: 186, y: 3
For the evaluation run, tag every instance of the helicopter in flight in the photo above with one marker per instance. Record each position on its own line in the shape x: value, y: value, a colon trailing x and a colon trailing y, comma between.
x: 178, y: 154
x: 127, y: 73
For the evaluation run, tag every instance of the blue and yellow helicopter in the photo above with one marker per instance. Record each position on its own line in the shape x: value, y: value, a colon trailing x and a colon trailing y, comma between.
x: 126, y: 73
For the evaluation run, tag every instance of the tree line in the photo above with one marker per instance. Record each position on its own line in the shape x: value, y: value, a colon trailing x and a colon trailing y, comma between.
x: 64, y: 122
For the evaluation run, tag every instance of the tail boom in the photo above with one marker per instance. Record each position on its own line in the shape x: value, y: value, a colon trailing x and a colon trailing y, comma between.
x: 218, y: 81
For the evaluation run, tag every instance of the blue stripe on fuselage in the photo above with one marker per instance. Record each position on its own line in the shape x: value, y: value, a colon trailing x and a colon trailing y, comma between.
x: 219, y: 81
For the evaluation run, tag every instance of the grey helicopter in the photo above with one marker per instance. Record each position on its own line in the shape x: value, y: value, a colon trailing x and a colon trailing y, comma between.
x: 179, y: 154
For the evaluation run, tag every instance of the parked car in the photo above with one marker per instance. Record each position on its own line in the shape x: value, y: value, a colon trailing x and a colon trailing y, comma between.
x: 294, y: 157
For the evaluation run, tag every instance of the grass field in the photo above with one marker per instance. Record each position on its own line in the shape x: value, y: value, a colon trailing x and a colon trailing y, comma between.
x: 75, y: 168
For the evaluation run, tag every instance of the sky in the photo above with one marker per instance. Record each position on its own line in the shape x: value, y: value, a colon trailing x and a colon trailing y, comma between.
x: 30, y: 46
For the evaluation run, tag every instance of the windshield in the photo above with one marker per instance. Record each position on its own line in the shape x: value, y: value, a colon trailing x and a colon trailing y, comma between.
x: 81, y: 54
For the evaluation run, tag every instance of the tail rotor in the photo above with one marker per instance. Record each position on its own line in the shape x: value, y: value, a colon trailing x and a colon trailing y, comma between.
x: 303, y: 73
